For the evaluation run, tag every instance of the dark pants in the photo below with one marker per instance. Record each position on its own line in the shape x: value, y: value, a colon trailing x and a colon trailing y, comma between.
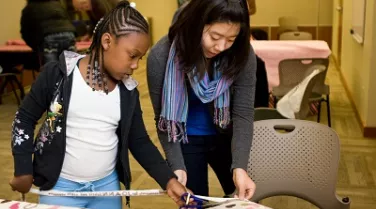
x: 54, y: 44
x: 204, y: 150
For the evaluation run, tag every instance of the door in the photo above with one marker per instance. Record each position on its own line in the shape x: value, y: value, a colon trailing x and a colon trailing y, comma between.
x: 339, y: 11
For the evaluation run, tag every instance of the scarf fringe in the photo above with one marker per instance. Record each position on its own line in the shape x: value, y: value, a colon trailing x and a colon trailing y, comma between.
x: 222, y: 117
x: 176, y: 130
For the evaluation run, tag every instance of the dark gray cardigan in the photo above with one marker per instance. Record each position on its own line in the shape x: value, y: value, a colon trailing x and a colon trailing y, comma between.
x: 241, y: 103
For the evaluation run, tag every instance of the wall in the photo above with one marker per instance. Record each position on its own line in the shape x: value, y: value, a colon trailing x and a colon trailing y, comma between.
x: 268, y: 12
x: 358, y: 63
x: 371, y: 117
x: 266, y: 15
x: 335, y: 31
x: 10, y: 14
x: 161, y: 12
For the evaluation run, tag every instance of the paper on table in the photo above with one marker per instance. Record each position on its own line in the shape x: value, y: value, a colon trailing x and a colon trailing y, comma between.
x: 238, y: 204
x: 234, y: 203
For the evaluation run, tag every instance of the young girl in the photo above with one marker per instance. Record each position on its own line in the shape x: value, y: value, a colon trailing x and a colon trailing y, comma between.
x: 93, y: 118
x: 202, y: 80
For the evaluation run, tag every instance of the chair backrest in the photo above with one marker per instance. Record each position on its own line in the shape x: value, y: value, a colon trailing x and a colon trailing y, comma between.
x: 305, y: 104
x: 301, y: 163
x: 295, y: 35
x: 293, y: 71
x: 295, y: 103
x: 287, y: 23
x: 264, y: 113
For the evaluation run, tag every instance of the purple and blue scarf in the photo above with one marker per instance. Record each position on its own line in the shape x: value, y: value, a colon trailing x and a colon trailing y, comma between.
x: 174, y: 112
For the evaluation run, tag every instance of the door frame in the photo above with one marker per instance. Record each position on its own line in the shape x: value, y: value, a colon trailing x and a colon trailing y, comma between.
x: 339, y: 9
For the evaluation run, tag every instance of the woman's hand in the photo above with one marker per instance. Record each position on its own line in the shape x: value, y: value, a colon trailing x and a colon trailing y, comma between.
x: 175, y: 190
x: 244, y: 185
x: 182, y: 176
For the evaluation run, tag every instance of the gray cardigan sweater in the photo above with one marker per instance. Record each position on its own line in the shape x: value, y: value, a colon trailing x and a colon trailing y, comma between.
x: 243, y: 94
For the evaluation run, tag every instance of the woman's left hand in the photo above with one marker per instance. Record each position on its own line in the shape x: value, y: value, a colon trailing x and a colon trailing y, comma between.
x: 244, y: 185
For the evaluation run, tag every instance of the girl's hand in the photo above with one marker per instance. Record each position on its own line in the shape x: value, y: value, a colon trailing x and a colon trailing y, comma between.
x: 22, y: 183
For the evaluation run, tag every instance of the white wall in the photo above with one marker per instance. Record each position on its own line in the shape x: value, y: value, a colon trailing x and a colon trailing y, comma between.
x: 358, y: 62
x: 268, y: 12
x: 10, y: 15
x: 161, y: 12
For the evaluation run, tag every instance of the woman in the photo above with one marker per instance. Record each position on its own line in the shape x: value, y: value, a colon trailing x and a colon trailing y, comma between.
x: 94, y: 118
x: 47, y: 29
x: 204, y: 71
x: 94, y: 9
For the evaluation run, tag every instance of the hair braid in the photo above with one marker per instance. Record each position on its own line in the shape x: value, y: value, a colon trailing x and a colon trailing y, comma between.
x: 121, y: 21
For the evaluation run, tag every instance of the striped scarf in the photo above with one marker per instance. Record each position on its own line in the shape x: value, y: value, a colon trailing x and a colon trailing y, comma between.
x: 174, y: 112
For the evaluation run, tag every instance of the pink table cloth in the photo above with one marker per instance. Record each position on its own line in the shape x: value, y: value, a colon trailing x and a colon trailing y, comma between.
x: 272, y: 52
x: 25, y: 48
x: 16, y: 45
x: 10, y: 204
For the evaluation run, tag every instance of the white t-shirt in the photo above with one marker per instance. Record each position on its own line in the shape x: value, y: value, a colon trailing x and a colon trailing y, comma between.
x: 91, y: 140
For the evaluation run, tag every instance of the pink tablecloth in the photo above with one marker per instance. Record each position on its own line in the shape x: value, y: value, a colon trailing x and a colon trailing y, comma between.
x: 14, y: 46
x: 7, y: 204
x: 272, y: 52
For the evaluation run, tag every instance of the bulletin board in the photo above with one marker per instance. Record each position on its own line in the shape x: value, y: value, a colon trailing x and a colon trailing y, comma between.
x: 358, y: 20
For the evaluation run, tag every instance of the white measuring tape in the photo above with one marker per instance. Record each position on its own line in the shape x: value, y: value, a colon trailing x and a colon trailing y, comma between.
x: 122, y: 193
x: 215, y: 199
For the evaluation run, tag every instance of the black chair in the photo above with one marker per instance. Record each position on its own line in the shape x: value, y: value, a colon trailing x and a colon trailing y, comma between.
x: 259, y: 34
x: 9, y: 76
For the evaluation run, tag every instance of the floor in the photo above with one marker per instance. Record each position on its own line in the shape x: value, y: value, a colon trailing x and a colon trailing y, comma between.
x: 357, y: 169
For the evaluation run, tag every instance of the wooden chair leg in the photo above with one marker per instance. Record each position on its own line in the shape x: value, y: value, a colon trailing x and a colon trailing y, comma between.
x: 319, y: 111
x: 2, y: 87
x: 20, y: 87
x: 15, y: 92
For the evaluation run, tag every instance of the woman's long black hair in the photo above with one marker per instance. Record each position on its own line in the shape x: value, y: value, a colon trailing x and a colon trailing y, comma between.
x: 188, y: 28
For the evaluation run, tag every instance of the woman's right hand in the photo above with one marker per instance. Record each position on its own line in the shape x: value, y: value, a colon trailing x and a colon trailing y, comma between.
x: 22, y: 183
x: 182, y: 176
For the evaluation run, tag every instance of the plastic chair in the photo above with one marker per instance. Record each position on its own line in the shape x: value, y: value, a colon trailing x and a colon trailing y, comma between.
x: 10, y: 77
x: 301, y: 162
x: 287, y: 24
x: 293, y: 71
x: 264, y: 113
x: 295, y: 35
